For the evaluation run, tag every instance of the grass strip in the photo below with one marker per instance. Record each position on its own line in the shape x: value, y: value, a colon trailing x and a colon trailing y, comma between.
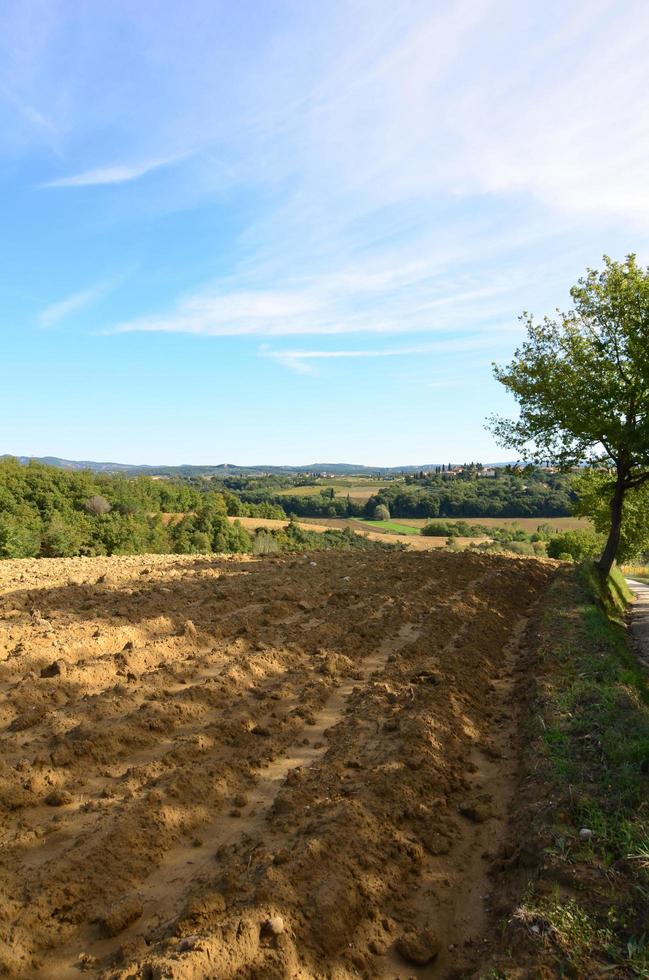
x: 585, y: 907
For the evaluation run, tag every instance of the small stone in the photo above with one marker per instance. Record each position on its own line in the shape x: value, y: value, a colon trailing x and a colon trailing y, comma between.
x: 190, y: 630
x: 274, y: 926
x: 262, y: 730
x: 314, y: 563
x: 586, y: 833
x: 419, y: 947
x: 129, y: 645
x: 55, y: 669
x: 187, y: 943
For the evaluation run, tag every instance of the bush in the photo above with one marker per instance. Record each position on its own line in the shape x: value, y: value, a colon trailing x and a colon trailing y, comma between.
x: 578, y: 545
x: 18, y: 539
x: 438, y: 529
x: 381, y: 513
x: 457, y: 529
x: 62, y: 538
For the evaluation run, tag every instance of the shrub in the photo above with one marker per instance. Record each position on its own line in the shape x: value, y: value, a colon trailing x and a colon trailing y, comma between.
x: 18, y: 538
x: 578, y: 545
x: 62, y: 538
x: 438, y: 529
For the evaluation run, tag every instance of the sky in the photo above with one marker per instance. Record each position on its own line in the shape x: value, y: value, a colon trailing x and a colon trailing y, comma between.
x: 289, y: 231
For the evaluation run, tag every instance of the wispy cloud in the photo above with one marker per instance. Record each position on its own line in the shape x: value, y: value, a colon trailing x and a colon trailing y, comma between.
x: 28, y: 112
x: 300, y: 361
x: 412, y: 298
x: 52, y: 315
x: 119, y: 174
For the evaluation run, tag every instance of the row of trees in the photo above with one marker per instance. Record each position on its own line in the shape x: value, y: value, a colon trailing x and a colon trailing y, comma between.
x: 525, y: 493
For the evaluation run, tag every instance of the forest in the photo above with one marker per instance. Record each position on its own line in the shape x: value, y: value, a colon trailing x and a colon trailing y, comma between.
x: 49, y: 512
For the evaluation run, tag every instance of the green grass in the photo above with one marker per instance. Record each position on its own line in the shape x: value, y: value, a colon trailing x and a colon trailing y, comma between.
x: 591, y: 745
x: 390, y: 526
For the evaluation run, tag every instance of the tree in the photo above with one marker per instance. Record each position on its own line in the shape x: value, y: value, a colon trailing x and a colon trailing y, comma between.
x: 582, y: 385
x: 98, y: 505
x: 63, y: 537
x: 381, y: 513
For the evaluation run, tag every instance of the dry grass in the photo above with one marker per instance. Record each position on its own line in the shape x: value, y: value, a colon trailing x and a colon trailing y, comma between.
x: 356, y: 489
x: 529, y: 524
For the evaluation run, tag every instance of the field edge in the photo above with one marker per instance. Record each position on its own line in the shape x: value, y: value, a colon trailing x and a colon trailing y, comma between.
x: 574, y: 889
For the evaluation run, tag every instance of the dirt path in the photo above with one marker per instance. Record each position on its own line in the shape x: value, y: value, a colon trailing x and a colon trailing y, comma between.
x: 271, y: 768
x: 639, y: 619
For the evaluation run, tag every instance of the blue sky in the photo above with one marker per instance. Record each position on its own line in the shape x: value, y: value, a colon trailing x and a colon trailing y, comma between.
x: 289, y: 231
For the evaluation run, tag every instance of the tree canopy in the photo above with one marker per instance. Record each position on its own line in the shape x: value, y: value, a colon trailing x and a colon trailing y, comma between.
x: 581, y: 381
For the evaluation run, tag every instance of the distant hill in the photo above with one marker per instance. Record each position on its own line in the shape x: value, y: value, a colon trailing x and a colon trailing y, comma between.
x: 225, y: 469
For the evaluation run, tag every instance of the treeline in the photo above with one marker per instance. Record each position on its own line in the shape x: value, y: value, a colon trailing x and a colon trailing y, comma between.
x: 525, y: 493
x: 50, y: 512
x: 575, y: 545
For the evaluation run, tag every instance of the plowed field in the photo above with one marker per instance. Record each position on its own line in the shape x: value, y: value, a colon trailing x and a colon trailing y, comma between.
x: 274, y: 768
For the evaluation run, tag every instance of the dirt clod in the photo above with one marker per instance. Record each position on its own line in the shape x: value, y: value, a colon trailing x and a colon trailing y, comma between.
x: 419, y: 947
x: 121, y: 915
x: 58, y: 797
x: 477, y: 812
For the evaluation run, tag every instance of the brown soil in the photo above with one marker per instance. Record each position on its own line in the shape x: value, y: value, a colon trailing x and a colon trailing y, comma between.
x: 288, y: 767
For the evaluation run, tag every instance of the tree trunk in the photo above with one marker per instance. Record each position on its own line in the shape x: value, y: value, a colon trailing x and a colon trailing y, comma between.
x: 612, y: 544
